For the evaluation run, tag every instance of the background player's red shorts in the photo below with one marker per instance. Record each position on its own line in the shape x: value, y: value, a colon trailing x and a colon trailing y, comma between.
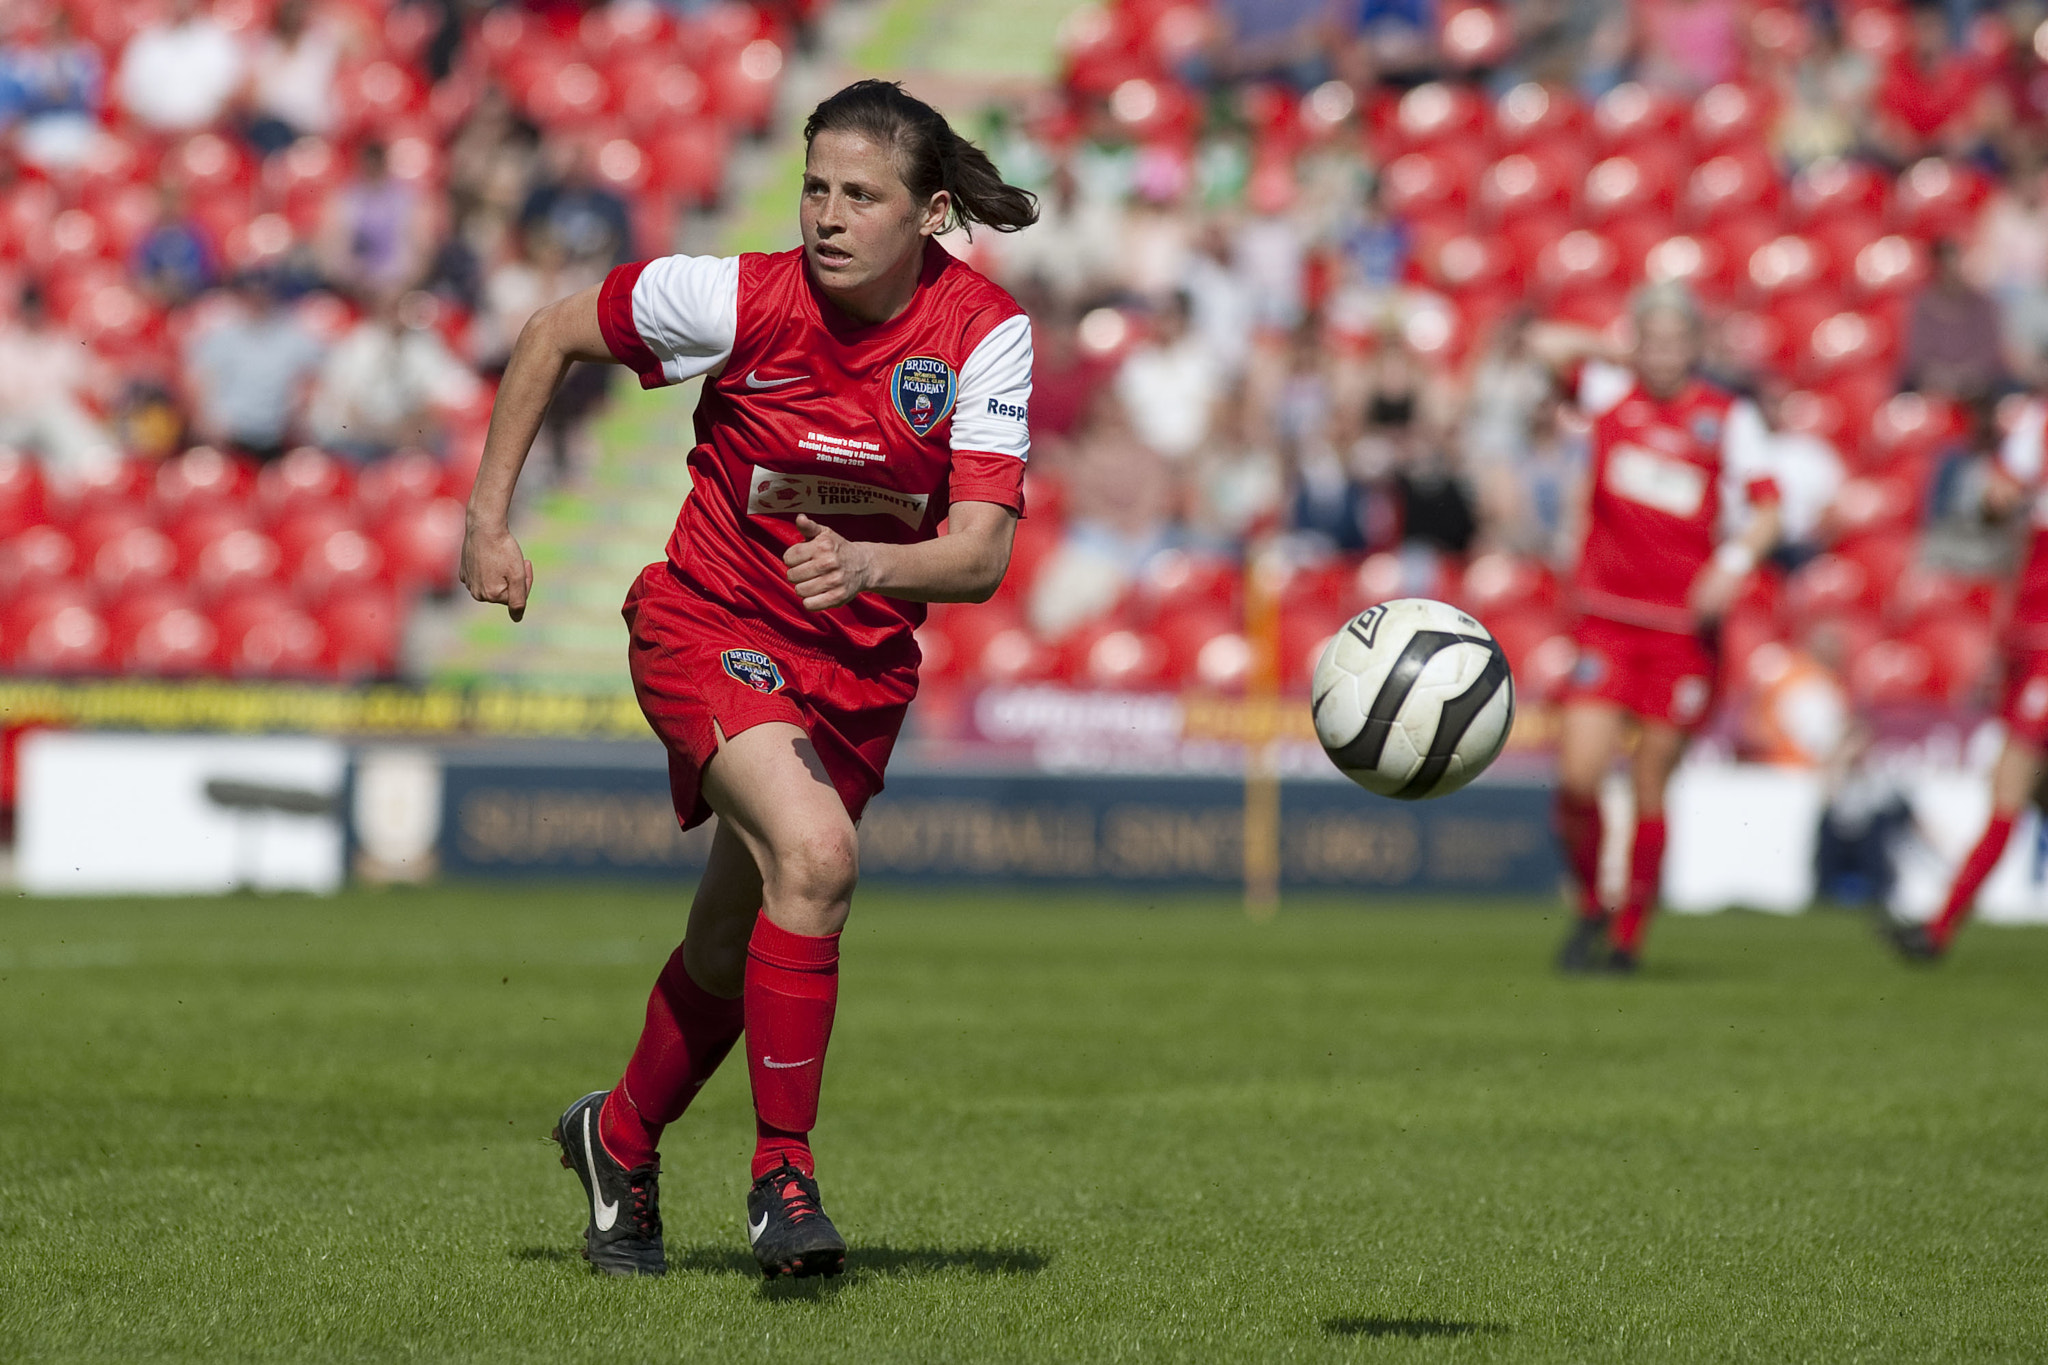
x: 694, y: 663
x: 2025, y: 707
x: 1656, y: 674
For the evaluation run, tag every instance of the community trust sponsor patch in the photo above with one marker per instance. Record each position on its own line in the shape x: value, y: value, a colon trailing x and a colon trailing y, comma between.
x: 772, y: 494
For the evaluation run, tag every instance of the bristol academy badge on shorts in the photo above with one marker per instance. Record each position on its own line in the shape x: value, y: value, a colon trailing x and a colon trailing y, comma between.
x: 921, y: 387
x: 752, y: 667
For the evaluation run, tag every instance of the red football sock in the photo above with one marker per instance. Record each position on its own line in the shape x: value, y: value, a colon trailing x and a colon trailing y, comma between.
x: 1975, y: 869
x: 1578, y: 828
x: 1645, y: 871
x: 687, y: 1034
x: 792, y: 990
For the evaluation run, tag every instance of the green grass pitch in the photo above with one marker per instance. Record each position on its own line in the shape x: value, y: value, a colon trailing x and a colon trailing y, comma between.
x: 1056, y: 1128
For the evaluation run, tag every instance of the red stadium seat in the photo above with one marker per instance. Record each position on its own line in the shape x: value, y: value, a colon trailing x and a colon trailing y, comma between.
x: 207, y: 164
x: 342, y: 561
x: 240, y: 559
x: 743, y: 87
x: 1179, y: 581
x: 1424, y: 184
x: 1522, y: 183
x: 422, y: 543
x: 1787, y: 265
x: 69, y: 242
x: 1890, y: 267
x: 364, y: 631
x: 661, y: 91
x: 1629, y: 185
x: 1937, y: 198
x: 264, y: 634
x: 161, y: 633
x: 1473, y: 37
x: 376, y: 95
x: 1117, y: 657
x: 574, y: 95
x: 1633, y: 115
x: 1832, y: 188
x: 1846, y: 341
x: 1731, y: 185
x: 1895, y: 673
x: 1963, y: 649
x: 1578, y: 261
x: 305, y: 477
x: 626, y: 28
x: 1878, y: 32
x: 1926, y: 594
x: 1813, y: 414
x: 1728, y: 116
x: 1877, y: 504
x: 57, y: 628
x: 398, y: 481
x: 689, y: 161
x: 25, y: 210
x: 22, y: 499
x: 1469, y: 262
x: 1698, y: 262
x: 1832, y: 585
x: 1014, y: 655
x: 1497, y: 584
x: 1435, y: 115
x: 1910, y: 427
x: 202, y: 476
x: 134, y: 554
x: 1531, y: 114
x: 37, y: 555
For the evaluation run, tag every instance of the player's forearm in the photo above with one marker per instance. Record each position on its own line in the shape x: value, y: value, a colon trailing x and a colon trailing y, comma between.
x: 552, y: 339
x: 1760, y: 537
x: 952, y: 568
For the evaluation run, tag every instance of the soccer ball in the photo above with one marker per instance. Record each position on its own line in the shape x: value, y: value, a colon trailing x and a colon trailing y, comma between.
x: 1413, y: 699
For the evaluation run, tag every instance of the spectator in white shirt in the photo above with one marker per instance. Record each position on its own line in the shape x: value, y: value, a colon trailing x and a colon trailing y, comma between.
x: 180, y: 76
x: 291, y: 77
x: 47, y: 385
x: 1168, y: 385
x: 388, y: 382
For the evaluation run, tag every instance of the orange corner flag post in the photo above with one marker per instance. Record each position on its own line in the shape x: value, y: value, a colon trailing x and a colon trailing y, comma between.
x: 1263, y: 576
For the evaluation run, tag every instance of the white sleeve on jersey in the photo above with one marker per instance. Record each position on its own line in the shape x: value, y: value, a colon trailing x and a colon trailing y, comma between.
x: 993, y: 411
x: 1747, y: 455
x: 1603, y: 384
x: 2020, y: 453
x: 687, y: 310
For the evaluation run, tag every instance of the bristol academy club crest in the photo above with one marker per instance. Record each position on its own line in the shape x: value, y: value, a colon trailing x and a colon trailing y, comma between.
x: 753, y: 668
x: 921, y: 387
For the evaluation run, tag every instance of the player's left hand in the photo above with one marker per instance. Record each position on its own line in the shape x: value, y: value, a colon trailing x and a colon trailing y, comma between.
x: 1714, y: 592
x: 826, y: 568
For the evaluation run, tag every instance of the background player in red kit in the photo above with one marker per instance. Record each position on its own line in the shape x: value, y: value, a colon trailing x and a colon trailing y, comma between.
x: 1679, y: 505
x: 858, y: 391
x: 2017, y: 482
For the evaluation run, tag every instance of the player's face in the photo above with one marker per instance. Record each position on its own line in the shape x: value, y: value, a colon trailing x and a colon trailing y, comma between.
x: 1667, y: 348
x: 860, y: 222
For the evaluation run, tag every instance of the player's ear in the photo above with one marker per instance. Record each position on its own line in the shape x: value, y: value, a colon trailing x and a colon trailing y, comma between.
x: 936, y: 211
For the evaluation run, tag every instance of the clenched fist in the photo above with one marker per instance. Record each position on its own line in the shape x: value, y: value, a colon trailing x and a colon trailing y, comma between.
x: 827, y: 569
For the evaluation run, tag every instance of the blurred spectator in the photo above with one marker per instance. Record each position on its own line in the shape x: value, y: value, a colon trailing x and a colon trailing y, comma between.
x: 376, y: 232
x: 1527, y: 489
x: 491, y: 162
x: 1168, y: 384
x: 173, y: 263
x: 2009, y: 260
x: 48, y: 388
x: 1220, y: 303
x: 291, y: 77
x: 1122, y: 493
x: 1931, y: 93
x: 56, y: 89
x: 248, y: 375
x: 1809, y: 473
x: 1392, y: 41
x: 1959, y: 535
x: 388, y: 382
x: 1826, y: 92
x: 592, y: 224
x: 1688, y: 46
x: 1952, y: 334
x: 180, y: 75
x: 1290, y: 40
x: 516, y: 288
x: 1072, y: 249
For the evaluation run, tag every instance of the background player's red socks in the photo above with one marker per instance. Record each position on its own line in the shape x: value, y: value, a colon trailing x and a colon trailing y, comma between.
x: 792, y: 990
x: 1578, y: 828
x: 687, y: 1034
x: 1645, y: 871
x: 1975, y: 869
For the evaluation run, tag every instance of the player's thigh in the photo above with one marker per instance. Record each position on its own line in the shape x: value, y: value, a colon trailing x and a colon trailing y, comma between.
x: 1589, y: 734
x: 769, y: 785
x: 1659, y: 747
x: 722, y: 915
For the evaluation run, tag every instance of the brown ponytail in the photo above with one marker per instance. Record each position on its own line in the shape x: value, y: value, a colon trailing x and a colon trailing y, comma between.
x: 930, y: 155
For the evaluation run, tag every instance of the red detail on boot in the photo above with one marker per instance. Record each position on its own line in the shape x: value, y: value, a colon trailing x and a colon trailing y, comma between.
x: 1976, y: 868
x: 687, y: 1034
x: 792, y: 992
x: 1645, y: 871
x: 1578, y: 829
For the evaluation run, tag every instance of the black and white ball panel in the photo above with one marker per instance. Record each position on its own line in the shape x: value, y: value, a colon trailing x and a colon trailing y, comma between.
x: 1413, y: 699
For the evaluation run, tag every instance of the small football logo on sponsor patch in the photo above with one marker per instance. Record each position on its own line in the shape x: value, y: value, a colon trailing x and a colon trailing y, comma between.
x: 752, y: 667
x: 921, y: 387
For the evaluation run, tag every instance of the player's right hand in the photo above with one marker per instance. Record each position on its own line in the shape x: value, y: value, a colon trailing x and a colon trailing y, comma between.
x: 494, y: 569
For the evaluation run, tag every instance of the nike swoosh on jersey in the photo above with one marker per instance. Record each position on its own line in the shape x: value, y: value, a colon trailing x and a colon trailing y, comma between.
x: 755, y: 381
x: 754, y: 1229
x: 601, y: 1213
x: 774, y: 1065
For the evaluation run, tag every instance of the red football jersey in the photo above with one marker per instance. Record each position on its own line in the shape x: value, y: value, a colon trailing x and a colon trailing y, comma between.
x: 1667, y: 478
x: 2021, y: 456
x: 872, y: 430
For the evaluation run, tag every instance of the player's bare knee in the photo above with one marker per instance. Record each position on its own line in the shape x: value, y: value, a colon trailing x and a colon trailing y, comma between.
x: 817, y: 871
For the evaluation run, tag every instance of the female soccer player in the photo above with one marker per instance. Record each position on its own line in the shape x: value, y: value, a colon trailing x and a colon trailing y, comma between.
x: 2016, y: 482
x: 858, y: 391
x: 1679, y: 506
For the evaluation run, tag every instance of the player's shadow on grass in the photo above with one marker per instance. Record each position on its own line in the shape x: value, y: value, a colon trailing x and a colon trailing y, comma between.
x: 862, y: 1263
x: 1409, y: 1327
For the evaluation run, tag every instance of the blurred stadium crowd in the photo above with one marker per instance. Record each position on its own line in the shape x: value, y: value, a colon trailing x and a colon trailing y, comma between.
x: 263, y: 259
x: 1292, y: 254
x: 260, y: 262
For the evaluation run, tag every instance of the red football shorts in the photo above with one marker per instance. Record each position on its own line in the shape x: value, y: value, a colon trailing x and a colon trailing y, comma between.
x: 1655, y: 674
x: 2025, y: 707
x: 696, y: 665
